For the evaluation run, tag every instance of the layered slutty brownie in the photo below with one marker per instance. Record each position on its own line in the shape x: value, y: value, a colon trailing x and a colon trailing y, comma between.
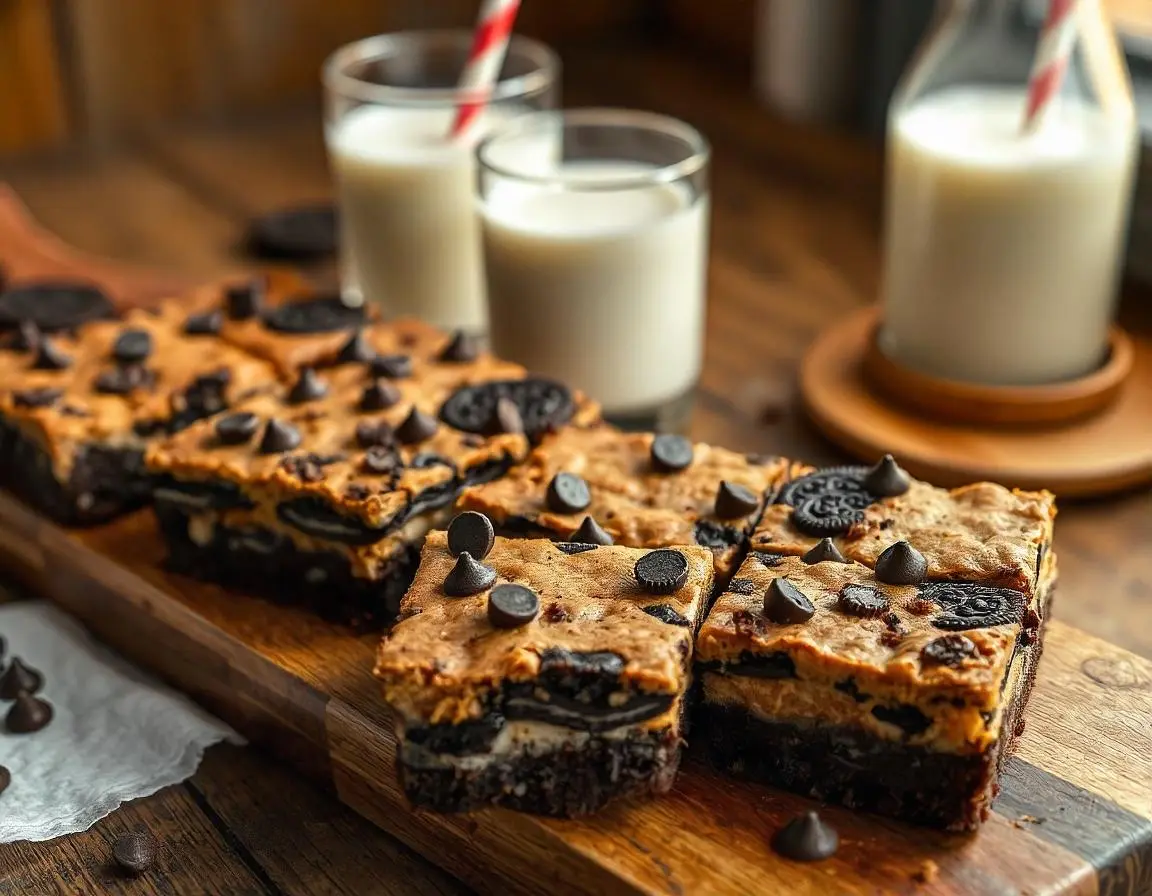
x: 541, y: 676
x: 878, y: 645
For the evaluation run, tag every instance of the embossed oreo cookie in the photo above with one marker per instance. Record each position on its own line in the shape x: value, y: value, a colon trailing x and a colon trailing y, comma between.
x: 326, y: 314
x: 543, y: 404
x: 967, y: 605
x: 54, y: 305
x: 661, y: 572
x: 829, y: 501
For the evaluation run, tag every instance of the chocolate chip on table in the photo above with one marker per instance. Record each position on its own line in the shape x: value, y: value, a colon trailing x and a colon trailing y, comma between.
x: 322, y: 314
x: 901, y: 564
x: 661, y: 572
x: 371, y: 433
x: 235, y: 429
x: 279, y: 436
x: 511, y: 606
x: 381, y: 459
x: 825, y: 551
x: 806, y: 838
x: 355, y: 350
x: 670, y: 453
x: 394, y: 367
x: 862, y: 601
x: 417, y: 427
x: 19, y: 677
x: 5, y: 778
x: 123, y: 379
x: 468, y: 577
x: 308, y: 387
x: 135, y: 852
x: 49, y: 357
x: 36, y: 398
x: 887, y: 479
x: 967, y: 605
x: 506, y: 419
x: 472, y: 532
x: 734, y: 500
x: 461, y: 349
x: 667, y: 614
x: 591, y: 532
x: 950, y: 650
x: 208, y: 323
x: 132, y: 346
x: 54, y: 305
x: 567, y: 493
x: 297, y: 233
x: 243, y: 301
x: 378, y: 395
x: 28, y: 714
x: 785, y: 604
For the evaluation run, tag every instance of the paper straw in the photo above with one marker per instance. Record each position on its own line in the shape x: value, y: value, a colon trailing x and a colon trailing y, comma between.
x: 1104, y: 60
x: 1053, y: 51
x: 489, y: 46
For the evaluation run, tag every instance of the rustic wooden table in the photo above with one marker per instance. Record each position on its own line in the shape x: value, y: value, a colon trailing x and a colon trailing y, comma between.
x: 795, y: 238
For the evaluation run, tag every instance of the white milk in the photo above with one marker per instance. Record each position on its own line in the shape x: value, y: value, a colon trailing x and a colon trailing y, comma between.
x: 410, y: 237
x: 601, y: 289
x: 1003, y: 252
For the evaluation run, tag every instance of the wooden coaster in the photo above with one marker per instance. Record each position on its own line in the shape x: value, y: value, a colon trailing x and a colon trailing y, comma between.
x: 1106, y: 452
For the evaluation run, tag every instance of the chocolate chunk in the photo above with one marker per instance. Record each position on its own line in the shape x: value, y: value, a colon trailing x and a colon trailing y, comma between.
x: 326, y: 314
x: 887, y: 479
x: 506, y: 419
x: 132, y: 346
x: 590, y: 532
x: 49, y: 357
x: 378, y: 395
x: 785, y: 604
x: 207, y: 324
x: 567, y: 493
x: 666, y: 613
x: 243, y: 301
x: 543, y: 405
x: 5, y: 778
x: 661, y: 572
x: 279, y: 436
x: 967, y: 605
x: 742, y: 586
x: 381, y: 459
x: 394, y: 367
x: 301, y: 233
x: 462, y: 349
x: 28, y: 714
x: 417, y: 427
x: 308, y: 387
x: 472, y: 532
x: 124, y: 379
x: 769, y: 559
x: 206, y: 395
x: 511, y: 606
x: 356, y: 350
x: 715, y: 535
x: 36, y: 398
x: 825, y: 551
x: 806, y: 838
x: 468, y: 577
x: 370, y: 433
x: 26, y: 338
x: 54, y: 305
x: 901, y: 564
x: 238, y: 428
x: 950, y: 650
x: 135, y: 852
x: 734, y: 500
x: 862, y: 601
x: 19, y: 677
x: 670, y: 453
x: 575, y: 547
x: 829, y: 501
x: 904, y: 716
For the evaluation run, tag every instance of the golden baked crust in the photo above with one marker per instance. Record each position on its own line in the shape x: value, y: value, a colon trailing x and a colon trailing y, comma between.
x: 634, y: 503
x: 444, y: 658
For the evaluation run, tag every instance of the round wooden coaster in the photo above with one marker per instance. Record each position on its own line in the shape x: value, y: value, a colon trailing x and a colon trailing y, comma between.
x: 1107, y: 452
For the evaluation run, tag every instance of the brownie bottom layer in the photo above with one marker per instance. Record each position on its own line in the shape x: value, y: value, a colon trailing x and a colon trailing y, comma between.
x: 270, y: 565
x: 563, y: 783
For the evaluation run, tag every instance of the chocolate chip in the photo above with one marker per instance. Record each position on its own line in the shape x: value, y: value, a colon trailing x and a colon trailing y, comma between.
x: 207, y: 324
x: 356, y: 350
x: 36, y: 398
x: 785, y: 604
x: 506, y: 418
x: 124, y: 379
x: 901, y: 564
x: 5, y: 778
x: 667, y: 614
x: 132, y: 346
x: 468, y: 577
x: 511, y: 606
x: 543, y: 405
x: 371, y: 433
x: 590, y: 532
x: 734, y: 500
x: 825, y: 551
x: 28, y: 714
x: 279, y: 436
x: 49, y: 357
x: 806, y: 838
x: 887, y: 479
x: 950, y: 650
x: 862, y: 601
x: 567, y: 493
x: 309, y: 467
x: 742, y: 586
x: 670, y: 453
x: 26, y: 338
x: 394, y: 367
x: 575, y: 547
x: 472, y: 532
x: 135, y: 852
x: 661, y: 572
x: 462, y: 349
x: 301, y: 233
x: 967, y: 605
x: 381, y: 459
x: 378, y: 395
x: 238, y: 428
x: 54, y: 305
x: 308, y: 387
x: 19, y: 677
x: 243, y: 301
x: 417, y: 427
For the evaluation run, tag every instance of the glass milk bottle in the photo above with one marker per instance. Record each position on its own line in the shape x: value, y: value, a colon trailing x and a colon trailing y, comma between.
x: 1004, y: 244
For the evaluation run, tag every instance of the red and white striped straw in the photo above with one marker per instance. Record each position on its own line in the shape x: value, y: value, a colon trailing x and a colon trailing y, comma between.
x: 1057, y: 38
x: 489, y: 46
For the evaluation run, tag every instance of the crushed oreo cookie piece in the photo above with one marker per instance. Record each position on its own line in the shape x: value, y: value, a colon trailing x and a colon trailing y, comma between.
x: 511, y: 606
x: 300, y: 233
x: 381, y: 460
x: 243, y: 301
x: 785, y: 604
x: 742, y: 586
x: 734, y: 501
x: 36, y: 398
x: 662, y: 571
x: 461, y: 349
x: 806, y: 838
x: 825, y: 551
x: 394, y: 367
x: 543, y: 405
x: 715, y: 535
x: 238, y: 428
x: 506, y: 418
x: 54, y: 305
x: 132, y: 346
x: 862, y: 601
x: 472, y: 532
x: 667, y: 614
x: 967, y: 605
x: 417, y: 427
x: 575, y: 547
x: 279, y: 436
x: 901, y: 564
x: 769, y: 559
x: 49, y: 357
x: 308, y: 387
x: 309, y: 467
x: 378, y: 395
x: 124, y: 379
x: 207, y: 324
x: 567, y: 493
x: 591, y: 532
x: 887, y: 479
x: 468, y: 577
x: 25, y: 338
x: 950, y: 650
x: 671, y: 453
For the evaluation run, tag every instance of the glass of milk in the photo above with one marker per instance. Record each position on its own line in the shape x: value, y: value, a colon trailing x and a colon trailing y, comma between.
x: 410, y: 239
x: 1003, y: 249
x: 595, y: 233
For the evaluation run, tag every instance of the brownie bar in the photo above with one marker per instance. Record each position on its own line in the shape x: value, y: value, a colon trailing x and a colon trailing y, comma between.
x: 577, y: 700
